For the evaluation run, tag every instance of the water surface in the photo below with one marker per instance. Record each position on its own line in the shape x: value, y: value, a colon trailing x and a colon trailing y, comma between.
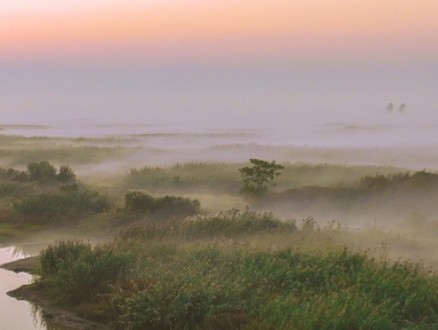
x: 16, y: 314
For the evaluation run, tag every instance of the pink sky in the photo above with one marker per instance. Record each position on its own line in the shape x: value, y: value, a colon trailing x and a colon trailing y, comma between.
x: 230, y: 29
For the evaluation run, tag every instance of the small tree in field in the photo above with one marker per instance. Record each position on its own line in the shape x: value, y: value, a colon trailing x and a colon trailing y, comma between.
x: 259, y: 175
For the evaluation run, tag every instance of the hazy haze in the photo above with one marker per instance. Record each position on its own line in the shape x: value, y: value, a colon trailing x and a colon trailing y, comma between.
x: 317, y: 73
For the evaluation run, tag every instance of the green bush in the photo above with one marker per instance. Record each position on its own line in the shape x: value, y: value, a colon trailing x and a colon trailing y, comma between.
x: 54, y: 257
x: 42, y: 171
x: 66, y: 204
x: 137, y: 203
x: 66, y: 174
x: 174, y: 206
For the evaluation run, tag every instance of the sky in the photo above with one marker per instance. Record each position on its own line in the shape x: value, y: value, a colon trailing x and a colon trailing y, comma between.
x: 227, y: 29
x: 211, y: 60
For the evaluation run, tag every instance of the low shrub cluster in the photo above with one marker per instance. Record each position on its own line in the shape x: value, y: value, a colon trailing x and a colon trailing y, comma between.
x: 138, y: 203
x: 13, y: 175
x: 418, y: 180
x: 41, y: 171
x: 64, y: 204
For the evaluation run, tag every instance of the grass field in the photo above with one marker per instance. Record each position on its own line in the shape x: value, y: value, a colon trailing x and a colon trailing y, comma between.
x: 186, y: 249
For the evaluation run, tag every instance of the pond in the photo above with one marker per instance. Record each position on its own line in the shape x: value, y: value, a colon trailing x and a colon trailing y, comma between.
x: 16, y: 314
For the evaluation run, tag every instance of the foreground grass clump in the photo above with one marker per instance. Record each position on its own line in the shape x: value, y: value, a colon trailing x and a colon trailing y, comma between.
x: 76, y: 272
x: 211, y: 288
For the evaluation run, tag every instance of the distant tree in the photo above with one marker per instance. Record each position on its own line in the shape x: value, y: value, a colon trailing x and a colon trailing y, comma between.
x: 259, y: 175
x: 66, y: 174
x: 42, y: 171
x: 390, y: 107
x: 402, y: 108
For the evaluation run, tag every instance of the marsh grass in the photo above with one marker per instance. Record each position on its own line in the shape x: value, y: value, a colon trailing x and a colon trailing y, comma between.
x: 77, y: 272
x: 188, y: 176
x: 238, y: 269
x: 241, y: 269
x: 215, y: 288
x: 224, y: 177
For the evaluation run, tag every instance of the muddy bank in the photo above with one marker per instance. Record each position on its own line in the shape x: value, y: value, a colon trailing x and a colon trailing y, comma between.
x: 54, y: 316
x: 28, y: 265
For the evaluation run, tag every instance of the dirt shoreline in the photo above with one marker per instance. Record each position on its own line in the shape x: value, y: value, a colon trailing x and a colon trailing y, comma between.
x: 26, y: 265
x: 54, y: 316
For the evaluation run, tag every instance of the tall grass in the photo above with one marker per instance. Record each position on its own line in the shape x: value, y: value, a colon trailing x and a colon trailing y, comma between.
x: 76, y: 272
x: 188, y: 176
x: 212, y: 288
x: 231, y: 223
x: 178, y: 275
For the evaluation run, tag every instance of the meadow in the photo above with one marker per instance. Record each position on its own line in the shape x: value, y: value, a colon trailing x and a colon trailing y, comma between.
x: 180, y: 246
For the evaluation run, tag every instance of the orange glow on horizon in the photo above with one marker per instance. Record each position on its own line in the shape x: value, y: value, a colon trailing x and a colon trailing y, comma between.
x: 213, y: 26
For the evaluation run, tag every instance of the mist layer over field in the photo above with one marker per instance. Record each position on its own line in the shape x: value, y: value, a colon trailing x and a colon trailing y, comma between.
x: 295, y: 102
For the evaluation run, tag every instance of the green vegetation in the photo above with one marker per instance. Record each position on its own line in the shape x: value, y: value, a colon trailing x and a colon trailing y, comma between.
x: 185, y: 177
x: 233, y: 223
x: 44, y: 197
x: 173, y: 265
x: 138, y: 203
x: 68, y: 204
x: 210, y: 288
x: 18, y: 151
x: 182, y: 275
x: 76, y: 272
x: 42, y: 171
x: 257, y: 176
x: 66, y: 174
x: 225, y: 177
x: 401, y: 184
